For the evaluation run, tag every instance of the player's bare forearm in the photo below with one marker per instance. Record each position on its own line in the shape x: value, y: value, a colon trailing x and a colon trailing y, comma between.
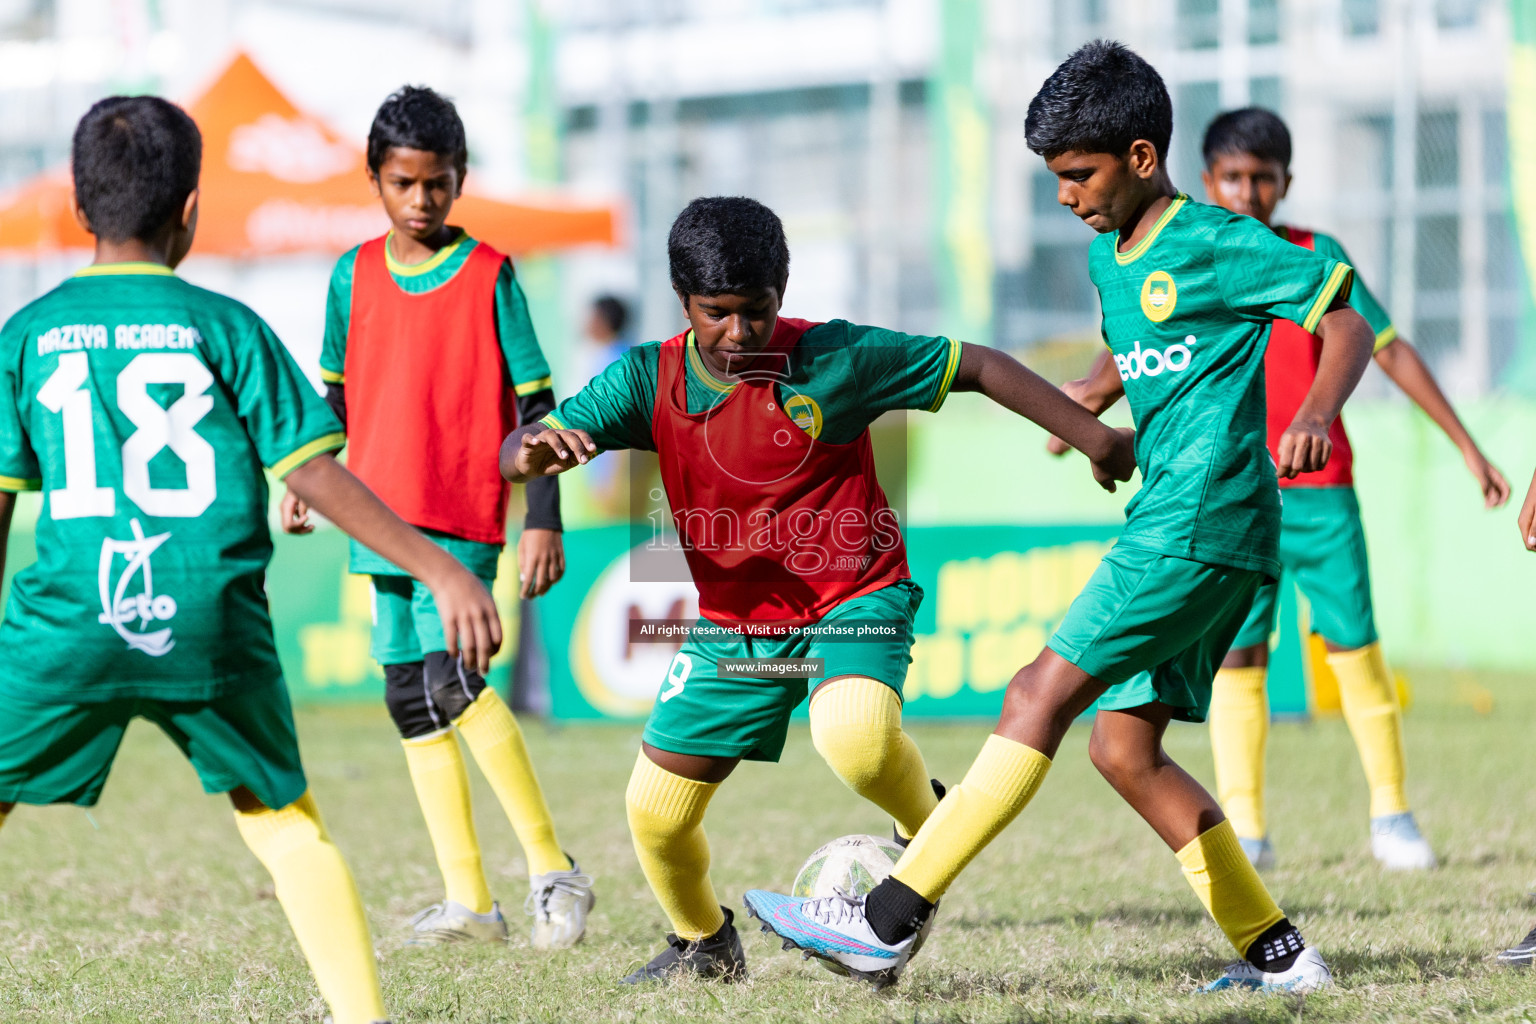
x: 471, y: 623
x: 1347, y: 342
x: 1401, y: 361
x: 534, y: 450
x: 1101, y: 389
x: 1019, y: 389
x: 1528, y: 518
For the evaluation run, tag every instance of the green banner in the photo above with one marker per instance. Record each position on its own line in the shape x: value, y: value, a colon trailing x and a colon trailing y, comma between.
x: 993, y: 596
x: 962, y: 180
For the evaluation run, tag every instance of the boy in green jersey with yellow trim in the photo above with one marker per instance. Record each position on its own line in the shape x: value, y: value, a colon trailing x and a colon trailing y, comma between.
x: 1188, y: 293
x: 145, y: 409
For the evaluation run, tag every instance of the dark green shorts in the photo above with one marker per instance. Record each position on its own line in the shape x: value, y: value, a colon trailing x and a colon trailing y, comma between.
x: 406, y: 625
x: 1322, y: 544
x: 698, y: 712
x: 1155, y: 628
x: 62, y: 753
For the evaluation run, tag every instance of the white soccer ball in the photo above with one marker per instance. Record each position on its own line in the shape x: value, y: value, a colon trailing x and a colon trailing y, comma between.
x: 851, y: 864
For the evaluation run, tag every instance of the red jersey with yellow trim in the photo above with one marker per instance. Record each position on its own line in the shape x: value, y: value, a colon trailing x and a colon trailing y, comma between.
x: 428, y: 400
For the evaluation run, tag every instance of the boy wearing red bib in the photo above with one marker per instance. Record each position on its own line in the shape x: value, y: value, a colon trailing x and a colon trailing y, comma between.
x: 1322, y: 540
x: 761, y: 423
x: 429, y: 359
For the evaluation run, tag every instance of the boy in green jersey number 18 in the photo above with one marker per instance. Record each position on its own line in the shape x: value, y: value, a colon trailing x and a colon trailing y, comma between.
x: 1188, y: 293
x: 1322, y: 542
x: 145, y: 410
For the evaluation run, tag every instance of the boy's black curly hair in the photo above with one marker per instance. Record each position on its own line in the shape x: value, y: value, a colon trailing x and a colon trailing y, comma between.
x: 1100, y: 100
x: 727, y: 245
x: 1249, y: 130
x: 415, y: 117
x: 135, y: 160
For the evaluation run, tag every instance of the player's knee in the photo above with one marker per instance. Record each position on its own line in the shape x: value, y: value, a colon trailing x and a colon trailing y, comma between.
x: 1029, y: 698
x: 450, y: 686
x: 405, y: 694
x: 1114, y: 759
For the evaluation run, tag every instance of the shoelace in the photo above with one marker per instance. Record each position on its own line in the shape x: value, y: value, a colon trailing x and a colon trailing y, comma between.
x: 837, y: 909
x: 537, y: 903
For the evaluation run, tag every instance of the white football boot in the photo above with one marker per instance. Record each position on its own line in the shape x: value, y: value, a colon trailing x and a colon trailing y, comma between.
x: 1397, y: 844
x: 1308, y: 974
x: 446, y: 922
x: 559, y: 902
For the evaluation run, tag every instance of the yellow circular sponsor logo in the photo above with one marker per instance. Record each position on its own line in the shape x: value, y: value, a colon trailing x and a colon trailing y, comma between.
x: 1158, y: 296
x: 805, y: 414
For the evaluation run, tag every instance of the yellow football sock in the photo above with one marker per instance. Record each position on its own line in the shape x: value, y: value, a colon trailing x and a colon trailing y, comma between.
x: 1218, y: 870
x: 1002, y: 780
x: 442, y: 789
x: 497, y: 743
x: 856, y: 727
x: 1369, y: 696
x: 666, y: 819
x: 1239, y: 719
x: 318, y: 895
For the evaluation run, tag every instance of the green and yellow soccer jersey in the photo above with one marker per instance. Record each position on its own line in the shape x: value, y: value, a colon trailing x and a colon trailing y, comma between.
x: 1360, y: 296
x: 527, y: 370
x: 840, y: 378
x: 147, y: 411
x: 1187, y: 313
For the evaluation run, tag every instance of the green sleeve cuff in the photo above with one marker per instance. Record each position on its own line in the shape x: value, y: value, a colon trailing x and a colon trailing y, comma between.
x: 332, y: 377
x: 18, y: 483
x: 950, y: 368
x: 319, y: 446
x: 533, y: 386
x: 1338, y: 281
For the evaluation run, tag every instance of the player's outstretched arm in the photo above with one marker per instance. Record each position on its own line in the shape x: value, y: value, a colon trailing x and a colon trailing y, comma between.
x: 1347, y: 342
x: 1019, y: 389
x: 1401, y: 361
x: 471, y: 624
x: 1096, y: 392
x: 535, y: 450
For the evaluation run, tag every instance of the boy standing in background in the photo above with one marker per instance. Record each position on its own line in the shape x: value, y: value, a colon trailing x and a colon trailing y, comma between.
x: 429, y: 360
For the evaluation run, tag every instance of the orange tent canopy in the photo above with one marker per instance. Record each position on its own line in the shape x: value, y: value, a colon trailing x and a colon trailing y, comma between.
x: 277, y: 180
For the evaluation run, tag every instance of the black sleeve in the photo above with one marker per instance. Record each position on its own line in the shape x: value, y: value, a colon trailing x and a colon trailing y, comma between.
x: 543, y: 494
x: 336, y: 398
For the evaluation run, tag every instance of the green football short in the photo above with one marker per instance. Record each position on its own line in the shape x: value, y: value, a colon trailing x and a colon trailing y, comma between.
x: 699, y: 712
x: 62, y: 753
x: 406, y: 625
x: 1155, y: 628
x: 1322, y: 545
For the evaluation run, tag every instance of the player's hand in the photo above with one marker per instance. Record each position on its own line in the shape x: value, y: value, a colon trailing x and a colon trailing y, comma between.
x: 471, y: 623
x: 540, y: 561
x: 1489, y: 480
x: 1120, y: 463
x: 552, y: 451
x: 294, y: 516
x: 1304, y: 448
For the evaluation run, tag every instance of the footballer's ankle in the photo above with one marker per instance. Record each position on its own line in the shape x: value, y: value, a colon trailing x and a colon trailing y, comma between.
x: 895, y: 911
x: 1277, y: 948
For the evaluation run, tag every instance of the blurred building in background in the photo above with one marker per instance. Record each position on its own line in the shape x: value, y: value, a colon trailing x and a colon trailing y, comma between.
x: 887, y: 133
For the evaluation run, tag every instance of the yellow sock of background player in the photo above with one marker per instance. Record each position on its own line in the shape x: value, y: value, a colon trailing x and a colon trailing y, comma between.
x: 442, y: 788
x: 1368, y: 694
x: 1239, y: 718
x: 318, y: 894
x: 496, y: 741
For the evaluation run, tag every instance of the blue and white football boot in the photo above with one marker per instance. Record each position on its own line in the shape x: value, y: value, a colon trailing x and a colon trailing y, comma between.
x: 834, y: 929
x: 1308, y: 974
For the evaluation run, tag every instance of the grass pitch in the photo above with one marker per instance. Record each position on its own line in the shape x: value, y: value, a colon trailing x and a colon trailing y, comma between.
x: 151, y: 909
